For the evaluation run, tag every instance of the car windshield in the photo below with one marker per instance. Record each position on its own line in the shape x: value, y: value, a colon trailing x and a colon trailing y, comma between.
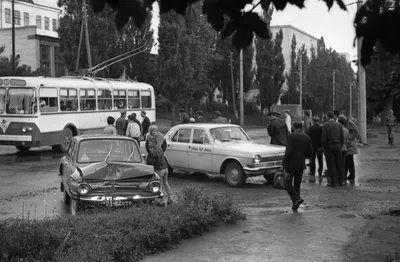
x: 229, y: 133
x: 111, y: 150
x: 21, y: 101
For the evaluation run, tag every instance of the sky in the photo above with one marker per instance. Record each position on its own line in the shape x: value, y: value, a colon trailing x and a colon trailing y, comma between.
x: 336, y: 25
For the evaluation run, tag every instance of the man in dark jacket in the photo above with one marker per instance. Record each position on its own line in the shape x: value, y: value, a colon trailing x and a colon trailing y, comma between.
x: 297, y: 150
x: 332, y: 141
x: 145, y: 124
x: 315, y: 134
x: 121, y: 124
x: 277, y: 130
x: 218, y: 118
x: 200, y: 117
x: 184, y: 116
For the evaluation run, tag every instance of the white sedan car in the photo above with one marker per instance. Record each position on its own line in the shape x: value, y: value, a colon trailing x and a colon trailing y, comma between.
x: 221, y: 149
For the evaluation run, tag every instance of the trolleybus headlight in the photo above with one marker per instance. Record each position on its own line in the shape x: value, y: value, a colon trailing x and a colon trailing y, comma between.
x: 83, y: 188
x: 26, y: 129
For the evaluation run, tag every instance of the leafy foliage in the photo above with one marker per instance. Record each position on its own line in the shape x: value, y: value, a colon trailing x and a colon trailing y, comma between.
x: 293, y: 77
x: 241, y: 24
x: 20, y: 70
x: 117, y: 235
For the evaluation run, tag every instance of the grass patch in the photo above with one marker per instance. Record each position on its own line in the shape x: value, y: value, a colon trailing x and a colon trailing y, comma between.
x: 117, y: 235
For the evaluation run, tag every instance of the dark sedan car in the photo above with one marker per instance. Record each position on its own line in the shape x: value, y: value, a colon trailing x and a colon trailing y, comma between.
x: 106, y: 170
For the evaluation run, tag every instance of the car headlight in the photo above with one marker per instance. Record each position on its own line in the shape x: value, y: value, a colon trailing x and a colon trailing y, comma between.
x: 154, y: 187
x: 83, y: 188
x: 256, y: 159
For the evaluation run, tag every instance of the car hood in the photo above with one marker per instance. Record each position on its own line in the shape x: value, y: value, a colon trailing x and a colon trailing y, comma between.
x: 254, y: 148
x: 115, y: 171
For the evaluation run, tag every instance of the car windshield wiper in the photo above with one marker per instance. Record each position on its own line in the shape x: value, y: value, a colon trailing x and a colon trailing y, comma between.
x: 109, y: 153
x: 129, y: 158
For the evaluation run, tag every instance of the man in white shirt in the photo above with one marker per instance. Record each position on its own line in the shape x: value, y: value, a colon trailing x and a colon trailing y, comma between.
x: 288, y: 121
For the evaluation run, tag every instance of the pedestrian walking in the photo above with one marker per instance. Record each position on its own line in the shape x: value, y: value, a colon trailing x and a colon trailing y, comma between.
x: 155, y: 133
x: 133, y: 129
x: 315, y: 134
x: 145, y: 123
x: 391, y: 122
x: 332, y: 141
x: 297, y: 150
x: 121, y: 124
x: 277, y: 129
x: 307, y: 122
x: 110, y: 129
x: 352, y: 150
x: 218, y: 118
x: 343, y: 121
x: 288, y: 121
x: 156, y: 158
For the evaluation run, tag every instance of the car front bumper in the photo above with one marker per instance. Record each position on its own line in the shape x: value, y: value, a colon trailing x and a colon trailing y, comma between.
x: 115, y: 201
x: 260, y: 170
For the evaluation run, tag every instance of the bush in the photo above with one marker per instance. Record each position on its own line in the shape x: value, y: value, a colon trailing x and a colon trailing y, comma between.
x: 117, y: 235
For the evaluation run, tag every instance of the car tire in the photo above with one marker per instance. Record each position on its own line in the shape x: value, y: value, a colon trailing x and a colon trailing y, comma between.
x: 234, y: 175
x: 66, y: 138
x: 269, y: 178
x: 23, y: 149
x: 75, y: 207
x: 66, y: 197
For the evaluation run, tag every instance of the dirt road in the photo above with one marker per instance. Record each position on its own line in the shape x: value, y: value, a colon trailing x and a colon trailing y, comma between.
x: 335, y: 224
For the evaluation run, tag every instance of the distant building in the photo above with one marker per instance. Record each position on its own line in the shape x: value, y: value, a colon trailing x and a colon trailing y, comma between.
x: 302, y: 38
x: 36, y: 38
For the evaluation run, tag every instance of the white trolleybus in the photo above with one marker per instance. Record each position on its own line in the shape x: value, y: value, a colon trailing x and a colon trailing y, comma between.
x: 49, y: 111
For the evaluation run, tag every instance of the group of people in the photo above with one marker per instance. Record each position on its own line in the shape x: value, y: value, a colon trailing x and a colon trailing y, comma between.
x: 130, y: 127
x: 336, y: 138
x: 198, y: 117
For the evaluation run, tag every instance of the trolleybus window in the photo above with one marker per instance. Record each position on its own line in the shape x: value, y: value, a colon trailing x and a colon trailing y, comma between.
x: 21, y: 101
x: 2, y: 100
x: 68, y: 99
x: 87, y: 99
x: 104, y: 99
x: 133, y: 99
x: 146, y: 99
x: 120, y: 99
x: 48, y: 99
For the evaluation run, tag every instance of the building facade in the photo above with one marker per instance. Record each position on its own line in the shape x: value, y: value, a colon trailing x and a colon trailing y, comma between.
x: 36, y: 38
x: 302, y: 38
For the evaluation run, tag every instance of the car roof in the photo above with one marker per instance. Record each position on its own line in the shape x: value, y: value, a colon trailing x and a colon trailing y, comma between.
x: 204, y: 125
x: 101, y: 136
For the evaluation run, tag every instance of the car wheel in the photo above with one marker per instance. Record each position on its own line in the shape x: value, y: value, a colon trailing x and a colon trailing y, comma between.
x: 66, y: 138
x: 75, y: 207
x: 234, y: 175
x: 66, y: 197
x: 23, y: 149
x: 269, y: 178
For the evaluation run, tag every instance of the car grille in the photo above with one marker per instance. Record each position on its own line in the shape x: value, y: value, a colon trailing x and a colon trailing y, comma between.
x: 271, y: 164
x: 272, y: 158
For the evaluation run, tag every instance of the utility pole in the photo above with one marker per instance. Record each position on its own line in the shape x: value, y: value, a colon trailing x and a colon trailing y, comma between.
x: 233, y: 91
x: 79, y: 47
x: 334, y: 90
x: 363, y: 92
x: 87, y: 34
x: 301, y: 80
x: 241, y: 89
x: 12, y: 37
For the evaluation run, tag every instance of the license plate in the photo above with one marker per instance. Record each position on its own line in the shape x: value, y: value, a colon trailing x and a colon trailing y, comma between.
x: 117, y: 203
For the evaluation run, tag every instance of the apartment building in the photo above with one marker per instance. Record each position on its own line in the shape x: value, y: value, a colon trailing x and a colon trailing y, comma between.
x: 36, y: 37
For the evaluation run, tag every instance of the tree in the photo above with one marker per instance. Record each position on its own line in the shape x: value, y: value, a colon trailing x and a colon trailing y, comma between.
x: 271, y: 64
x: 183, y: 59
x: 106, y: 42
x: 293, y: 78
x: 242, y: 25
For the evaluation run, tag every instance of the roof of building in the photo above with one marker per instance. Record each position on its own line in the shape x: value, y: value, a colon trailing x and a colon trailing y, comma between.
x: 296, y: 29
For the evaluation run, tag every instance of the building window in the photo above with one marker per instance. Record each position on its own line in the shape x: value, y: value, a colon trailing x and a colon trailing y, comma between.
x: 59, y: 62
x: 39, y: 22
x: 17, y: 17
x: 26, y: 19
x: 45, y: 58
x: 47, y: 23
x: 54, y: 25
x: 7, y: 14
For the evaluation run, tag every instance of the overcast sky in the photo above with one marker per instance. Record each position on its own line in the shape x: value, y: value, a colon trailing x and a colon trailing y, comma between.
x: 336, y: 26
